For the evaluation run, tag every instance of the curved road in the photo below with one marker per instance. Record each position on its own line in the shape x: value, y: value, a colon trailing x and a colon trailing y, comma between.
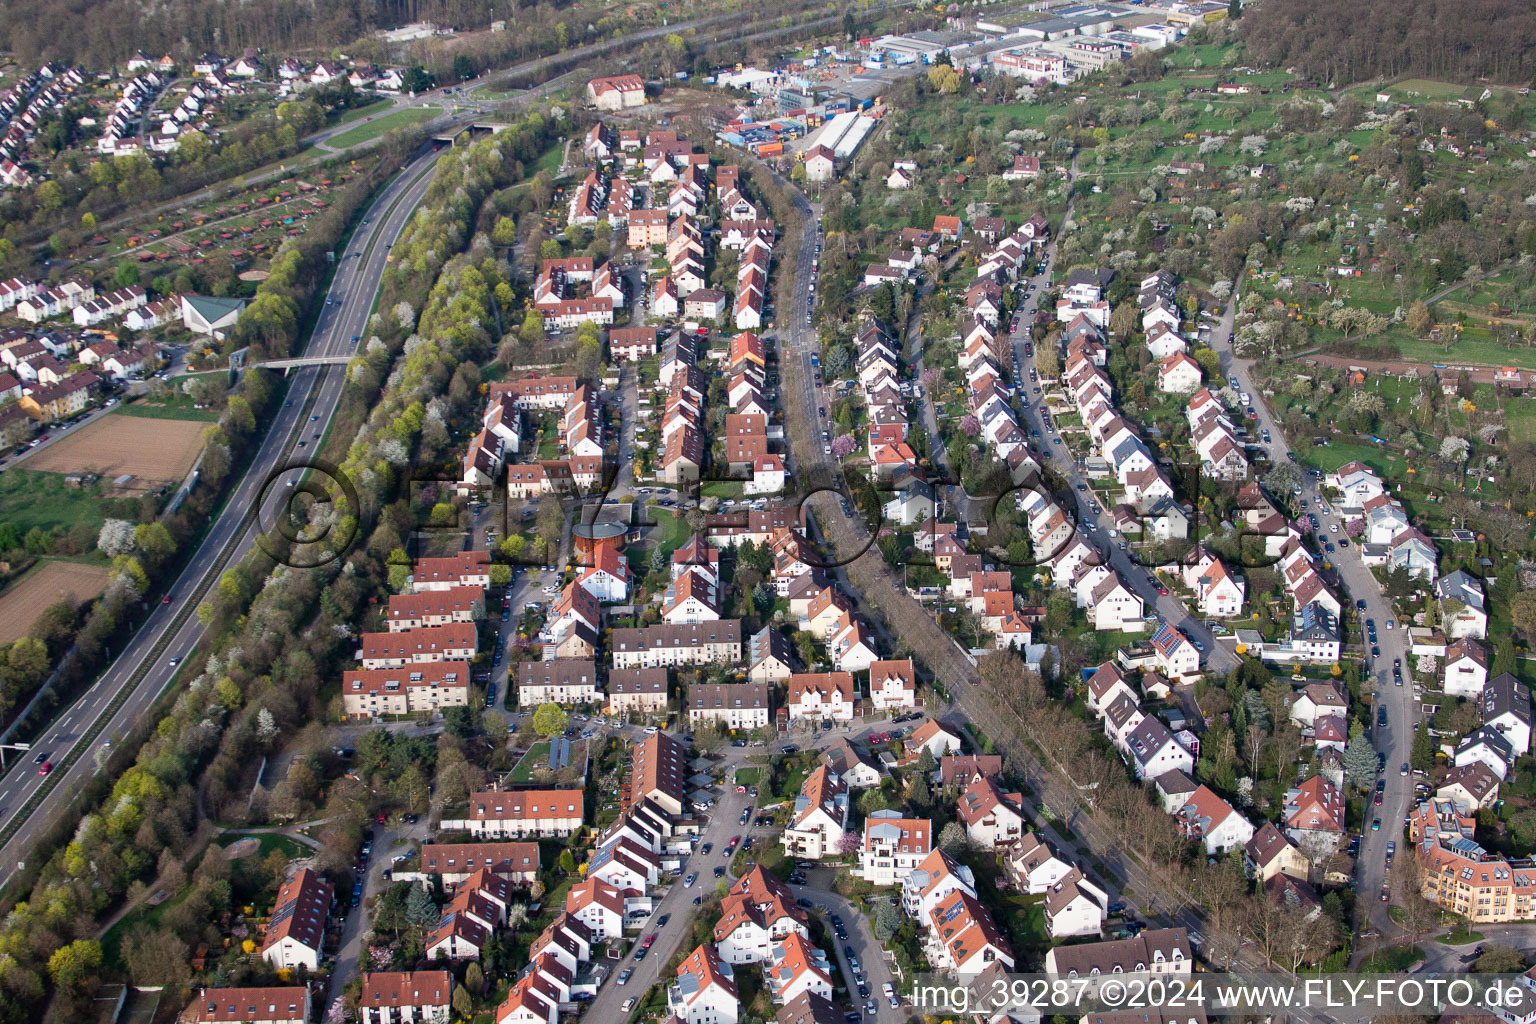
x: 28, y: 801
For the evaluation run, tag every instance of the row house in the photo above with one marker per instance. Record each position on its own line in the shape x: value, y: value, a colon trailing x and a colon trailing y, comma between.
x: 454, y: 863
x: 1154, y: 954
x: 636, y: 691
x: 106, y: 307
x: 536, y: 393
x: 821, y: 697
x: 453, y: 642
x: 470, y: 918
x: 405, y: 997
x: 465, y: 569
x: 414, y: 688
x: 519, y: 813
x: 703, y: 643
x: 565, y: 681
x: 728, y: 705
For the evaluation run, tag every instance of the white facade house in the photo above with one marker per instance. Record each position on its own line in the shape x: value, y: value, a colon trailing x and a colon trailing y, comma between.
x: 893, y: 845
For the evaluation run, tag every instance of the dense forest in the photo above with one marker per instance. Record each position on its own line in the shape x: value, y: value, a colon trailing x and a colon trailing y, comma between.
x: 1457, y: 40
x: 98, y: 33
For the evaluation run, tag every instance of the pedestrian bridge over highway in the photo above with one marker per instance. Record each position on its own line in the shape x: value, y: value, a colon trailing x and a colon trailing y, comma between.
x: 238, y: 362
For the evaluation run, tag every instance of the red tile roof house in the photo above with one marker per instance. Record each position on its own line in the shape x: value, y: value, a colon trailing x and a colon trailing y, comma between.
x: 455, y: 862
x: 616, y: 92
x: 296, y: 930
x: 1314, y: 815
x: 520, y: 813
x: 405, y: 997
x: 278, y: 1005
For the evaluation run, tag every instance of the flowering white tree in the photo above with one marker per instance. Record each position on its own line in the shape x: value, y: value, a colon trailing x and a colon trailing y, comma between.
x: 116, y: 537
x: 1252, y: 145
x: 1455, y: 449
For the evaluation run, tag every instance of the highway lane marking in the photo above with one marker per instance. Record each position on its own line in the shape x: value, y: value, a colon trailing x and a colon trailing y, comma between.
x: 94, y: 695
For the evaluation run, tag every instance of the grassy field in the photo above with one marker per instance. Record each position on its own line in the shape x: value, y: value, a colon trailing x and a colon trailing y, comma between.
x: 358, y: 113
x: 379, y: 125
x: 29, y: 498
x: 175, y: 406
x: 674, y: 530
x: 1392, y: 960
x: 267, y: 842
x: 1471, y: 347
x: 1339, y: 453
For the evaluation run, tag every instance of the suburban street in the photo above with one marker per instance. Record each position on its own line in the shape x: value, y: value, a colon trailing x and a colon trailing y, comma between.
x: 1396, y: 741
x: 172, y: 630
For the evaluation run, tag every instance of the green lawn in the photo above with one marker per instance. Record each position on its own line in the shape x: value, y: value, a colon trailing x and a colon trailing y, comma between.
x: 370, y: 130
x: 537, y: 754
x: 1426, y: 88
x: 1472, y: 347
x: 748, y: 776
x: 1460, y: 937
x: 1392, y: 960
x: 674, y: 529
x: 723, y: 489
x: 29, y: 498
x: 358, y: 113
x: 175, y: 406
x: 269, y: 841
x: 1339, y: 453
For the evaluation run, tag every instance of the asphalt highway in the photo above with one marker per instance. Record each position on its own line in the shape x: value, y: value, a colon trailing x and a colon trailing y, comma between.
x: 30, y: 801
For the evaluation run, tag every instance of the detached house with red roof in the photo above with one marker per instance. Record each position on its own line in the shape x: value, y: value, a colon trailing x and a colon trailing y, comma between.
x: 705, y: 990
x: 820, y: 818
x: 295, y: 932
x: 893, y: 846
x: 757, y: 912
x: 797, y: 967
x: 1314, y: 814
x: 892, y: 684
x: 607, y: 579
x: 963, y: 940
x: 1213, y: 821
x: 991, y: 817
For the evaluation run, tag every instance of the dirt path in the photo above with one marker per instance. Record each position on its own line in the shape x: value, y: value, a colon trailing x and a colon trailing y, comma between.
x: 1479, y: 374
